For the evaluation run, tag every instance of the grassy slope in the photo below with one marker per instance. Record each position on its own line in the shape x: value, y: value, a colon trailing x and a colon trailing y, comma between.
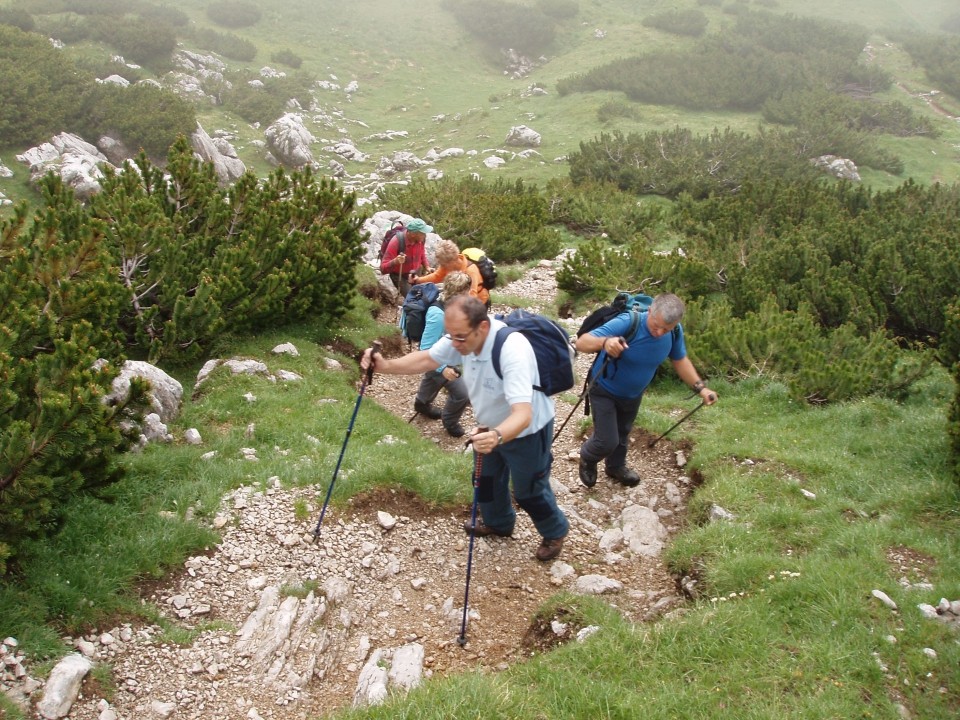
x: 415, y: 63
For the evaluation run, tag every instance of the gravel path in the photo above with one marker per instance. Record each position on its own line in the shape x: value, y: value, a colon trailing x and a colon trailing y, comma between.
x: 387, y: 577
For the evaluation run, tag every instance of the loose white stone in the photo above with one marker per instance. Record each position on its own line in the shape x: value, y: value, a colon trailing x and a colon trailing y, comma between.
x: 884, y: 598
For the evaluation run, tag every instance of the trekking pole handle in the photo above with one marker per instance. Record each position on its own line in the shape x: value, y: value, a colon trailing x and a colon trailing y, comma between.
x: 480, y: 429
x: 374, y: 349
x: 478, y: 461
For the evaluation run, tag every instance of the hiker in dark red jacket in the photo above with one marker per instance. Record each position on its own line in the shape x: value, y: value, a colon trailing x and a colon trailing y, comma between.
x: 406, y: 254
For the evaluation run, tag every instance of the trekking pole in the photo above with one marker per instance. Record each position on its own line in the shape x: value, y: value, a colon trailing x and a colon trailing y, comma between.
x: 655, y: 440
x: 586, y: 391
x: 477, y: 466
x: 367, y: 380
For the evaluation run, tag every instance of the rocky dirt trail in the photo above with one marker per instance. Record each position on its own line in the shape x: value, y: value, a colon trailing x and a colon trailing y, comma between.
x: 289, y: 628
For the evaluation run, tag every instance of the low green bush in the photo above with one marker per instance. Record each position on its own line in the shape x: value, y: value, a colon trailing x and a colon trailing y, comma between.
x: 559, y: 9
x: 679, y: 22
x: 264, y: 103
x: 59, y: 306
x: 818, y: 365
x: 761, y: 56
x: 234, y: 13
x: 501, y: 25
x: 949, y: 355
x: 288, y: 58
x: 18, y: 18
x: 40, y: 88
x: 141, y: 116
x: 615, y: 109
x: 229, y: 45
x: 596, y: 208
x: 144, y: 41
x: 597, y: 272
x: 675, y: 162
x: 939, y: 56
x: 507, y: 219
x: 820, y: 107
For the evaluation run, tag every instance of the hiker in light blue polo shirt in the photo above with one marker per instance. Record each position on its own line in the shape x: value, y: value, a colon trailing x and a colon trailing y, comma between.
x: 520, y: 420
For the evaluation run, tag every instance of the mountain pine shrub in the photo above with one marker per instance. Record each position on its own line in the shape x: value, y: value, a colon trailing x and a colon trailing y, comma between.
x: 818, y: 365
x: 507, y: 219
x: 59, y: 307
x: 196, y: 260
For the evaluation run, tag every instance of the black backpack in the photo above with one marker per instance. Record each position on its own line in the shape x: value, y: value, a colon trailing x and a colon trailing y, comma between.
x: 488, y: 270
x: 551, y: 345
x: 396, y: 228
x: 622, y: 303
x: 413, y: 313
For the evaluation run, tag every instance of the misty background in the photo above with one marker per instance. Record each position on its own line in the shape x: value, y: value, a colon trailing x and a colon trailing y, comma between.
x: 389, y: 77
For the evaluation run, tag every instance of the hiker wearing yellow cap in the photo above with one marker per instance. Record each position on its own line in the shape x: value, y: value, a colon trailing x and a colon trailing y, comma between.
x: 450, y: 259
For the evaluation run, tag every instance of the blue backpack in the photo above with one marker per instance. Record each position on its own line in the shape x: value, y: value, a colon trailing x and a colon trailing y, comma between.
x: 413, y: 314
x: 551, y: 344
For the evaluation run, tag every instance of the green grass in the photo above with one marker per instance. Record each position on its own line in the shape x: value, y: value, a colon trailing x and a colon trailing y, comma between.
x: 784, y: 626
x: 412, y: 66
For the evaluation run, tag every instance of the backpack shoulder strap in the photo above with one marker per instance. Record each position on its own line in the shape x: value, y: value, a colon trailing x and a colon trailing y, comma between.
x: 634, y: 324
x: 401, y: 241
x: 498, y: 341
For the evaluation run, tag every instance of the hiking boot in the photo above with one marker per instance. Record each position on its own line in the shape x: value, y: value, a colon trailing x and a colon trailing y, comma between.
x: 483, y: 530
x: 455, y: 430
x: 549, y: 549
x: 624, y: 476
x: 427, y: 410
x: 588, y: 473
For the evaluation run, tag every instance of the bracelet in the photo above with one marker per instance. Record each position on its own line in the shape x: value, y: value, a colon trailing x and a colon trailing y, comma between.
x: 698, y: 386
x: 499, y: 436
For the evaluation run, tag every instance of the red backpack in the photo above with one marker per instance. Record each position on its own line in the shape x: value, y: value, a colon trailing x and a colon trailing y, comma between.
x: 396, y: 228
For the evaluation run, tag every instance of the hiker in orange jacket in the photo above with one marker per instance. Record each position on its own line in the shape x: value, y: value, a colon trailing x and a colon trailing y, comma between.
x: 450, y: 259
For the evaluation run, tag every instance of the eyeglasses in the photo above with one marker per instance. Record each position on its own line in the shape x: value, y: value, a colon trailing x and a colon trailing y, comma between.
x: 460, y: 338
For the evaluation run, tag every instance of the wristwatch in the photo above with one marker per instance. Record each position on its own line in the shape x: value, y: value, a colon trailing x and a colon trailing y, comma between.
x: 499, y: 436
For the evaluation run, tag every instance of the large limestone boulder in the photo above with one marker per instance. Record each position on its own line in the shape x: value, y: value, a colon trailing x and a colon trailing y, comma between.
x: 76, y: 161
x: 289, y: 141
x: 838, y: 167
x: 165, y: 395
x: 222, y: 155
x: 522, y: 136
x: 115, y: 150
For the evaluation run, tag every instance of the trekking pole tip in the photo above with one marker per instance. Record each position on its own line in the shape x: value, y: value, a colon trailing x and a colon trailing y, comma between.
x: 462, y: 641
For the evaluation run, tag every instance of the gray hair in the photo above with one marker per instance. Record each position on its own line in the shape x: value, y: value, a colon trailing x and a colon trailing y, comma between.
x: 668, y: 307
x: 455, y: 283
x: 447, y: 251
x: 473, y: 310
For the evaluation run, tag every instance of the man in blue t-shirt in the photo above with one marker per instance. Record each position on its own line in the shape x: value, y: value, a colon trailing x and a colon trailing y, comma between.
x: 624, y: 369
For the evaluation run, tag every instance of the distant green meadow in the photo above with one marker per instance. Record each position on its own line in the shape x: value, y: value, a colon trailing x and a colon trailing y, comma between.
x: 418, y: 71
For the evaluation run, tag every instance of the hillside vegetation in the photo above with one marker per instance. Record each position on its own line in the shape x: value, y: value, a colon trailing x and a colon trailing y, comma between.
x: 826, y: 310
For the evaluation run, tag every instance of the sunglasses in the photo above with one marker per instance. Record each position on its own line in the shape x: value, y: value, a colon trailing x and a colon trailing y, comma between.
x: 460, y: 338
